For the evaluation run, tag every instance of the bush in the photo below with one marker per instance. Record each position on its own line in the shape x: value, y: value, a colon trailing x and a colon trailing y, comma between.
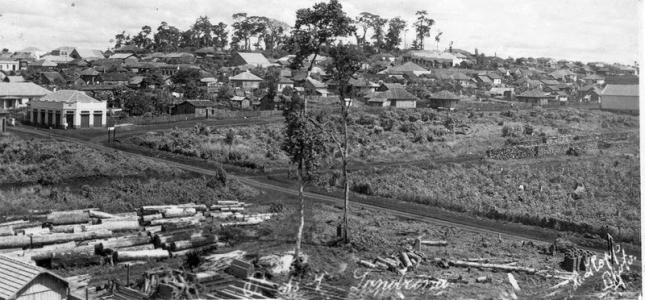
x: 512, y: 130
x: 276, y: 207
x: 232, y: 235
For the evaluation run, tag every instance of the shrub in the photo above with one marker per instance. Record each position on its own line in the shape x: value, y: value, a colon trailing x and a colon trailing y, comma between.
x: 512, y: 130
x: 232, y: 235
x: 276, y: 207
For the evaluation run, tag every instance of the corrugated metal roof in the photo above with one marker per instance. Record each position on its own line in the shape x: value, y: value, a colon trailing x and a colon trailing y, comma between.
x: 16, y: 275
x: 254, y: 58
x: 621, y: 90
x: 28, y: 89
x: 69, y: 96
x: 246, y: 76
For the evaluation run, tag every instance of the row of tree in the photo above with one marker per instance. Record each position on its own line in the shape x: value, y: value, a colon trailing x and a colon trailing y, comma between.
x: 271, y: 34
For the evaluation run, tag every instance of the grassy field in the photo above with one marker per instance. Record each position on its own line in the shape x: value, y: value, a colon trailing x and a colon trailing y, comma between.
x: 48, y: 161
x: 586, y: 194
x: 392, y: 135
x: 43, y: 174
x: 536, y: 192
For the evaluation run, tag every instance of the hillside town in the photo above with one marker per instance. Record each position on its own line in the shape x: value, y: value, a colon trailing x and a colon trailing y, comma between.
x: 132, y: 81
x: 331, y: 158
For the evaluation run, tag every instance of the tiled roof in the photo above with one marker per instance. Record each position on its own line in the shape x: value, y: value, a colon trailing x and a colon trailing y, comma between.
x: 532, y: 94
x: 16, y: 275
x: 87, y: 53
x: 44, y: 63
x: 89, y: 72
x: 113, y: 77
x: 69, y: 96
x: 406, y: 67
x: 393, y: 94
x: 28, y: 89
x: 317, y: 84
x: 52, y: 76
x: 621, y: 90
x: 246, y: 76
x: 121, y: 55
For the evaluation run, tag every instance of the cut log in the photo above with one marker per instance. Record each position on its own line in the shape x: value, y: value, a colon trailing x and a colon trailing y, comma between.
x: 200, y: 249
x: 434, y: 243
x: 197, y: 218
x: 147, y: 218
x: 68, y: 217
x: 405, y: 260
x: 39, y: 255
x: 13, y: 223
x: 101, y: 215
x: 39, y: 230
x: 154, y: 209
x: 138, y: 248
x: 125, y: 241
x: 151, y: 230
x: 179, y: 212
x: 114, y: 225
x: 6, y: 231
x: 221, y: 215
x: 203, y: 276
x: 367, y: 264
x: 26, y: 225
x: 391, y: 264
x: 120, y: 256
x: 242, y: 223
x: 57, y: 238
x: 167, y: 237
x: 506, y: 268
x: 17, y: 241
x: 228, y: 202
x: 179, y: 225
x: 192, y: 243
x: 74, y: 228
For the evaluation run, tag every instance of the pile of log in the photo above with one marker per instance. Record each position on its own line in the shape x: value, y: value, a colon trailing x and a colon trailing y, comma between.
x: 576, y: 260
x: 400, y: 261
x: 89, y: 236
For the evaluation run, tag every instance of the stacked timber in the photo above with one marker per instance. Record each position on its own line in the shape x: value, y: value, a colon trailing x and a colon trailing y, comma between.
x: 224, y: 206
x: 121, y: 256
x: 68, y: 217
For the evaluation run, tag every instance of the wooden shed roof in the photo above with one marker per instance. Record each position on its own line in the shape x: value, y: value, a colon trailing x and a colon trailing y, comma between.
x: 16, y: 275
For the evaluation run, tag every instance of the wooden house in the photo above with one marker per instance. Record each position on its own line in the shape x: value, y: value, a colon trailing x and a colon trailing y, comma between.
x: 196, y: 107
x: 19, y: 280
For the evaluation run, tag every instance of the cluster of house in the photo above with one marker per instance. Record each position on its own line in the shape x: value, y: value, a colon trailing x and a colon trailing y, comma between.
x: 83, y: 73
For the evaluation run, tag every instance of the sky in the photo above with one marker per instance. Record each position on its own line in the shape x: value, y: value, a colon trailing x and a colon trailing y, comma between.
x: 579, y: 30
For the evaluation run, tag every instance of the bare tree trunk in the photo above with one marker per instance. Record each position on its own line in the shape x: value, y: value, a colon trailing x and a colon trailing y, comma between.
x: 344, y: 152
x: 302, y: 210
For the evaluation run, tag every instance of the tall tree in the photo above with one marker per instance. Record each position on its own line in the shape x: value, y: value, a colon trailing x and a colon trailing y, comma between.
x: 377, y: 25
x: 142, y: 39
x: 304, y: 143
x: 273, y: 33
x: 316, y: 28
x: 220, y: 35
x: 245, y: 28
x: 202, y: 32
x: 423, y: 26
x: 393, y: 37
x: 437, y: 38
x: 122, y: 39
x: 362, y: 21
x: 167, y: 38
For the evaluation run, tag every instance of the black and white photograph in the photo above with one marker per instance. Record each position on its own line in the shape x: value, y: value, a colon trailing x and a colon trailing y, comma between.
x: 320, y: 149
